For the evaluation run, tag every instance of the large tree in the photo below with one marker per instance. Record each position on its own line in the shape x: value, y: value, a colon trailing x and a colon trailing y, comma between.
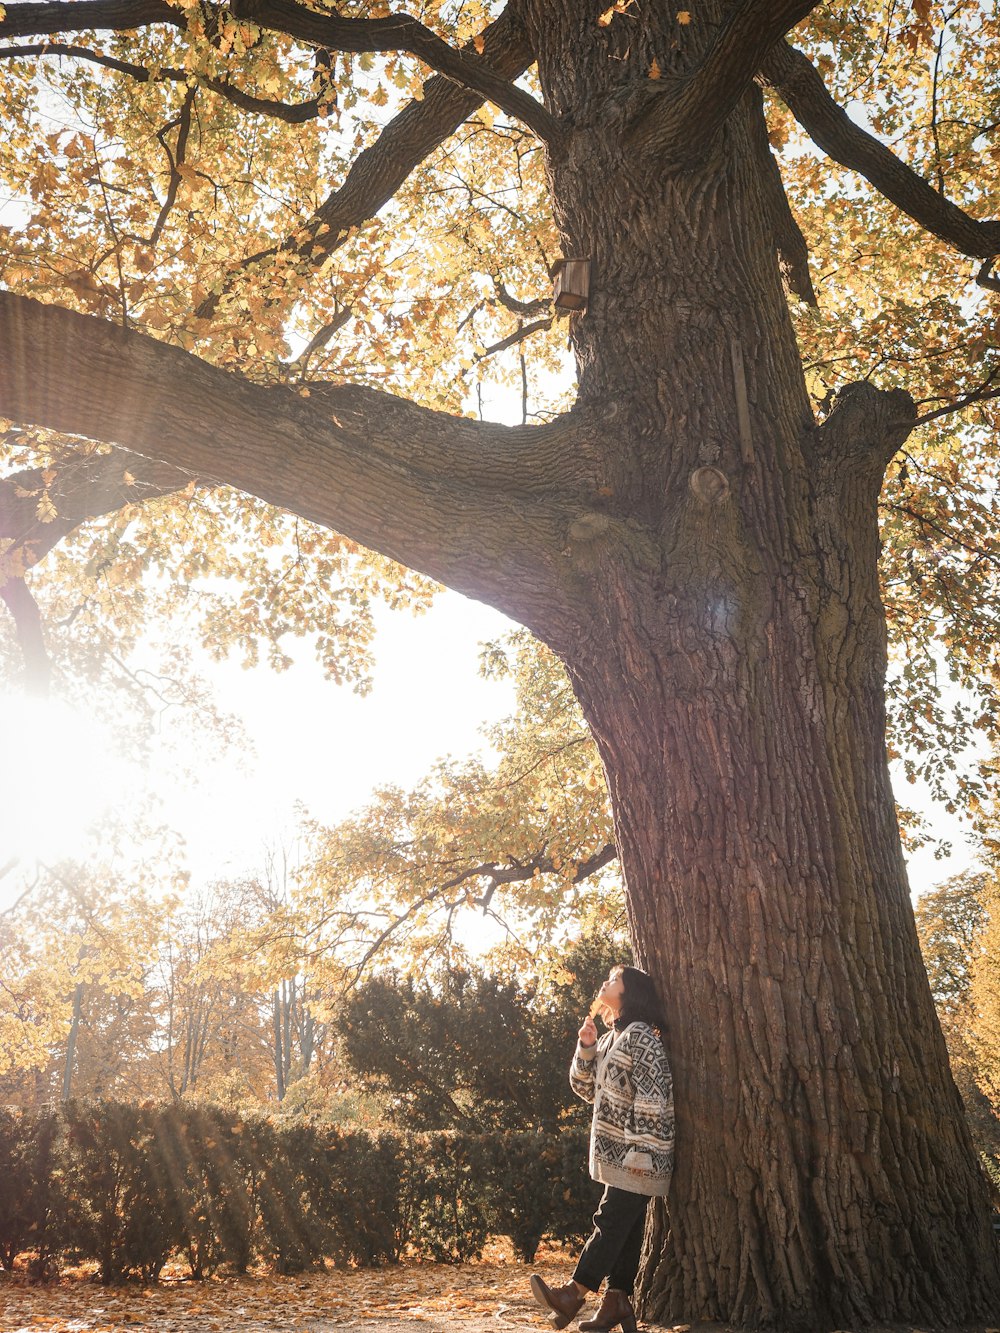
x: 696, y: 537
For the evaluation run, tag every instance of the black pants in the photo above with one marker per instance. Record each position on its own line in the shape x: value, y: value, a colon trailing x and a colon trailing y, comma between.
x: 614, y: 1247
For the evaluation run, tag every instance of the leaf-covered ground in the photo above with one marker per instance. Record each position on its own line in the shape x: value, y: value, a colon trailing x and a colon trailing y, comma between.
x: 474, y: 1298
x: 408, y: 1299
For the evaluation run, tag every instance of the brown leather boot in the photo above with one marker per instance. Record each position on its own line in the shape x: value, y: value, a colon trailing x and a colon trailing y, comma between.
x: 616, y: 1308
x: 561, y: 1302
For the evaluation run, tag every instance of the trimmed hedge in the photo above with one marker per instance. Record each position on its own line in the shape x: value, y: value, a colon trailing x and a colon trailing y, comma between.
x: 131, y: 1185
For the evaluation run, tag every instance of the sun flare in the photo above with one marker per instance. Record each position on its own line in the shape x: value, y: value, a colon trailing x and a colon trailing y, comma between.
x: 58, y: 777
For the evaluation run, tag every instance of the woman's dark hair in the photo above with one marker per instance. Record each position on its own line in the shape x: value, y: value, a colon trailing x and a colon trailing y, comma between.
x: 640, y: 1001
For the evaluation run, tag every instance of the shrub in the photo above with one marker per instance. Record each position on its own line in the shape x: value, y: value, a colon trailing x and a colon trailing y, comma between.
x: 201, y: 1164
x: 127, y: 1185
x: 282, y: 1159
x: 444, y: 1193
x: 30, y: 1200
x: 356, y: 1188
x: 116, y: 1209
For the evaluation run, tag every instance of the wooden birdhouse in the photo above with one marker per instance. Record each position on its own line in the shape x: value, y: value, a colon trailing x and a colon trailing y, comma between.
x: 571, y: 283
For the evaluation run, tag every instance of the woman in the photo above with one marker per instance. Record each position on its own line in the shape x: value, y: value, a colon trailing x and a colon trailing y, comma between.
x: 627, y: 1078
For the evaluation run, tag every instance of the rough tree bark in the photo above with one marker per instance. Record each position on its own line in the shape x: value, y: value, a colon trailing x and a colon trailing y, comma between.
x: 729, y: 654
x: 702, y: 554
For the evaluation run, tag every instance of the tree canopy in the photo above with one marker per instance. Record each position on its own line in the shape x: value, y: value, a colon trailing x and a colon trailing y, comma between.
x: 383, y: 224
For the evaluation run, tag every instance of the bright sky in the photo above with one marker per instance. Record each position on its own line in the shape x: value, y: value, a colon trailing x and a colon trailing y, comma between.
x: 313, y: 743
x: 325, y: 747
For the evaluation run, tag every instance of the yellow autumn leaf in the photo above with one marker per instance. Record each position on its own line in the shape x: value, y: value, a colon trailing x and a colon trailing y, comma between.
x: 684, y: 18
x: 45, y: 510
x: 654, y: 69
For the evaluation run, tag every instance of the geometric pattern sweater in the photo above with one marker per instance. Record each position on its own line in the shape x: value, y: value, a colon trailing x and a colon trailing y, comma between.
x: 627, y: 1077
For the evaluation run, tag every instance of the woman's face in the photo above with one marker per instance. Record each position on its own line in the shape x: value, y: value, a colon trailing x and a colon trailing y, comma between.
x: 612, y: 993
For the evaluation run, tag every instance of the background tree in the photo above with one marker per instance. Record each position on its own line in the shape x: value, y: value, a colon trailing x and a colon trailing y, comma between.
x: 75, y: 1012
x: 519, y: 836
x: 696, y: 538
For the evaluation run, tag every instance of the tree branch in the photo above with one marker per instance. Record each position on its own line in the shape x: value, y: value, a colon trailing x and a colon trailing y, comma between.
x: 539, y: 306
x: 512, y: 339
x: 680, y: 125
x: 17, y: 597
x: 866, y: 427
x: 78, y: 487
x: 401, y: 32
x: 323, y: 335
x: 40, y: 20
x: 481, y: 507
x: 987, y: 390
x: 291, y: 113
x: 800, y: 86
x: 793, y: 253
x: 379, y: 170
x: 182, y: 123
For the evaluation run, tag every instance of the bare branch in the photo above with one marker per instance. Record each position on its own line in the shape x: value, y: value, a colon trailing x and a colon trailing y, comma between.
x: 182, y: 123
x: 517, y: 872
x: 800, y: 86
x: 291, y: 113
x: 681, y: 124
x: 525, y: 308
x: 401, y: 32
x: 378, y: 172
x: 39, y: 20
x: 513, y: 339
x: 323, y: 335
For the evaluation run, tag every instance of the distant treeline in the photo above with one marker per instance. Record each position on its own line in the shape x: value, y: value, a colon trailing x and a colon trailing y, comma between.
x: 130, y: 1186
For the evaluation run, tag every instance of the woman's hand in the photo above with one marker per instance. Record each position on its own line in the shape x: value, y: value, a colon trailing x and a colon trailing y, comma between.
x: 588, y: 1032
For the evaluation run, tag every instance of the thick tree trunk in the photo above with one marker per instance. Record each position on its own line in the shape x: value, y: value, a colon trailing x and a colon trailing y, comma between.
x: 729, y: 653
x: 824, y: 1170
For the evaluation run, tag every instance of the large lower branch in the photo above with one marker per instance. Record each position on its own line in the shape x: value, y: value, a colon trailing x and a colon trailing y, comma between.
x: 42, y: 20
x: 480, y: 507
x: 800, y: 86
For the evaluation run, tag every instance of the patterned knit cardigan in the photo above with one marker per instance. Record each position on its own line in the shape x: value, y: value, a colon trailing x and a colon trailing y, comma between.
x: 627, y: 1077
